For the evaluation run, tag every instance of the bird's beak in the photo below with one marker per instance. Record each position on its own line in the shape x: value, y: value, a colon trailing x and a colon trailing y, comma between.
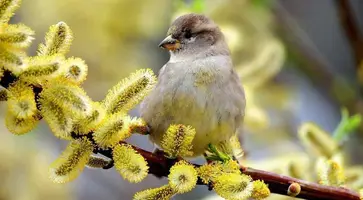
x: 170, y: 43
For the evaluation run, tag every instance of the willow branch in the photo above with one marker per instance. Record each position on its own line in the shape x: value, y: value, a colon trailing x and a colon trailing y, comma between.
x: 351, y: 29
x: 159, y: 166
x: 278, y: 184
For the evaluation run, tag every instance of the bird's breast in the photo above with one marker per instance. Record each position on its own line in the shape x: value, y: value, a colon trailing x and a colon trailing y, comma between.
x: 195, y: 96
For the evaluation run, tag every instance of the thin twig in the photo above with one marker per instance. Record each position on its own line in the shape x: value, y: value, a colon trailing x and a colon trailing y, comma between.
x: 159, y: 166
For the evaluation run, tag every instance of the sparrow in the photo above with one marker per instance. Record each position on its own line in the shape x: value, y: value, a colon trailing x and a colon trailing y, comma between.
x: 197, y: 86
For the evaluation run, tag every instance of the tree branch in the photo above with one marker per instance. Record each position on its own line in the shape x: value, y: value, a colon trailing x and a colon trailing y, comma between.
x: 351, y: 29
x: 159, y: 166
x: 279, y: 184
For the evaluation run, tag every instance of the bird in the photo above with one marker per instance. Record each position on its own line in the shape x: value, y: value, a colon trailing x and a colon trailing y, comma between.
x: 197, y: 87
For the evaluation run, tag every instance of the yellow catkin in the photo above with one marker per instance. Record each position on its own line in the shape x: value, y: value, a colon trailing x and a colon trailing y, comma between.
x: 57, y: 40
x: 71, y: 98
x: 234, y: 186
x: 177, y: 141
x: 294, y: 189
x: 330, y: 172
x: 75, y: 70
x: 11, y: 60
x: 361, y: 194
x: 230, y: 166
x: 209, y: 172
x: 72, y: 161
x: 21, y: 100
x: 19, y: 126
x: 41, y: 67
x: 97, y: 162
x: 7, y: 9
x: 12, y: 38
x: 112, y: 131
x: 260, y: 190
x: 17, y: 35
x: 131, y: 165
x: 91, y: 122
x: 182, y: 177
x: 161, y: 193
x: 60, y: 124
x: 130, y: 91
x: 317, y: 140
x: 339, y: 157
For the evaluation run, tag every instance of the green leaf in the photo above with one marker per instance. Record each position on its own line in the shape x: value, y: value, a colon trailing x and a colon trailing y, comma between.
x: 347, y: 125
x: 353, y: 123
x: 217, y: 154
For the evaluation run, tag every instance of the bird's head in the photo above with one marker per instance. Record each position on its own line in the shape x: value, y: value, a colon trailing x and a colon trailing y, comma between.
x: 192, y: 34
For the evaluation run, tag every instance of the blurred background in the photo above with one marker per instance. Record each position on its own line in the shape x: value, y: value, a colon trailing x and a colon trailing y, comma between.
x: 299, y: 61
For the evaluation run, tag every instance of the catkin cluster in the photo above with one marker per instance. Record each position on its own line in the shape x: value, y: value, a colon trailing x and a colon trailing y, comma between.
x: 48, y: 86
x: 329, y: 164
x: 224, y: 177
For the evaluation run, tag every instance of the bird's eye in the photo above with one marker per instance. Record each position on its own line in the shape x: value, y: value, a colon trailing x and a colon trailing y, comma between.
x: 188, y: 34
